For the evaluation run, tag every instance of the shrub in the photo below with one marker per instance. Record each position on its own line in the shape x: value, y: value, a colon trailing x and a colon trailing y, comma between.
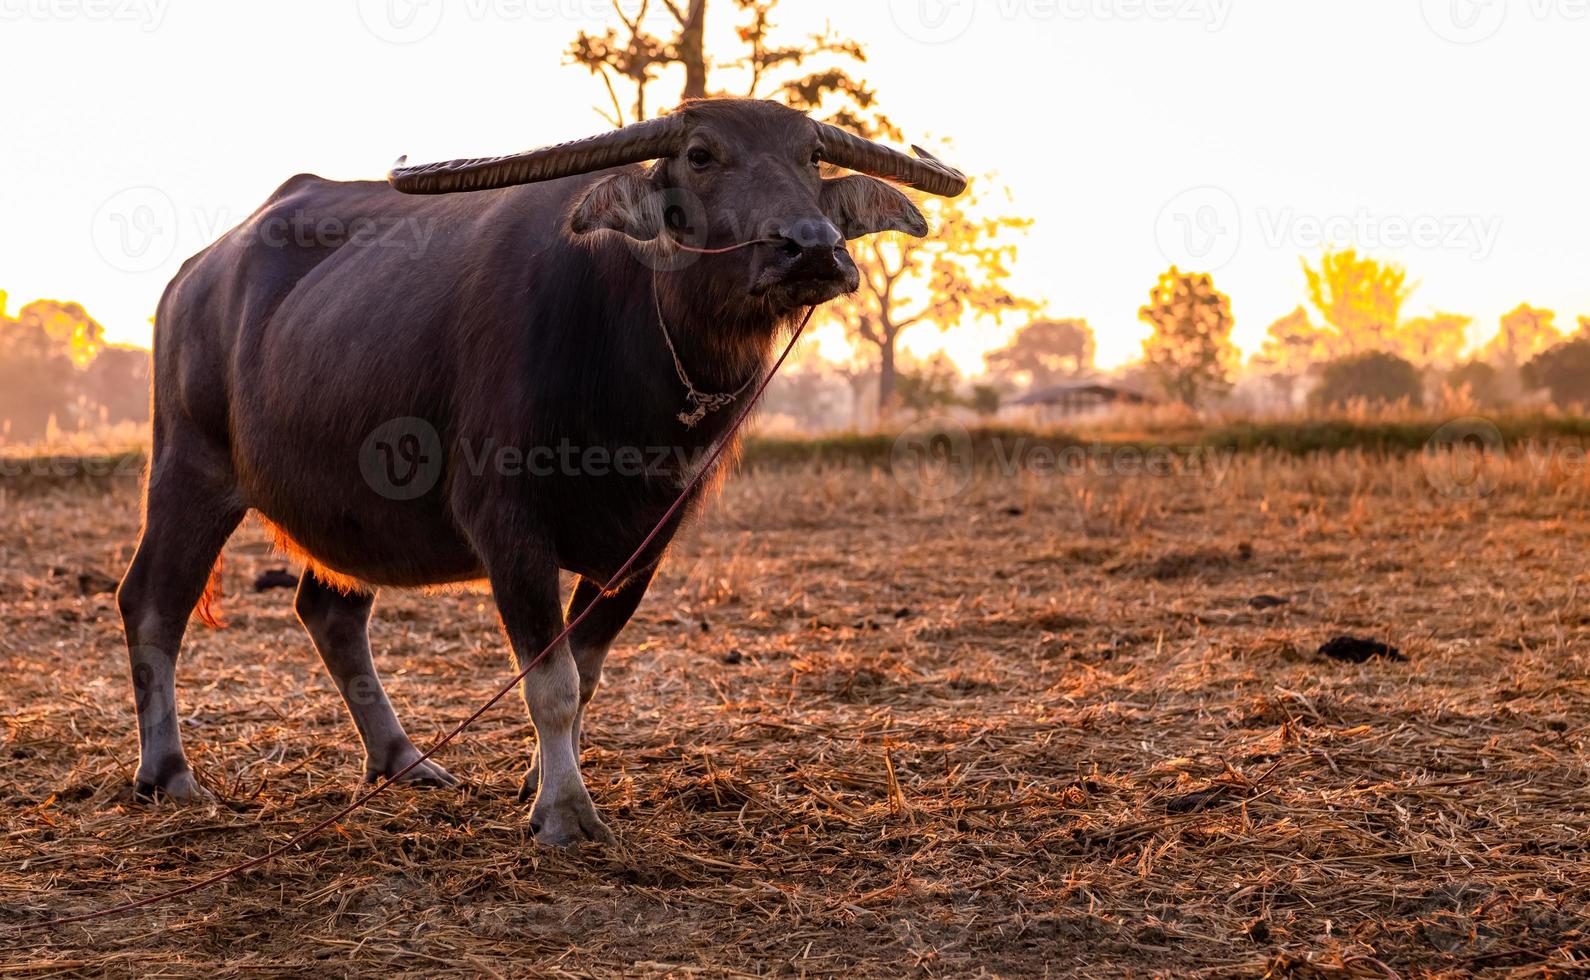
x: 1483, y: 381
x: 1377, y: 378
x: 1563, y: 370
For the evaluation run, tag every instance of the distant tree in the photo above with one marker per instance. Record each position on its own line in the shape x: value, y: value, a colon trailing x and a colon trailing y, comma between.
x: 67, y: 325
x: 1045, y: 351
x: 985, y: 399
x: 1359, y: 298
x: 929, y: 386
x: 1584, y: 321
x: 860, y: 374
x: 1293, y: 348
x: 1525, y: 332
x: 1481, y: 380
x: 1190, y: 352
x: 1435, y: 342
x: 1293, y: 344
x: 1563, y: 370
x: 962, y: 269
x: 54, y: 364
x: 37, y: 377
x: 115, y: 386
x: 1378, y: 377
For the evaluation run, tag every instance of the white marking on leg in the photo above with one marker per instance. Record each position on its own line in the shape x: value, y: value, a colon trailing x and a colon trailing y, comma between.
x: 563, y: 812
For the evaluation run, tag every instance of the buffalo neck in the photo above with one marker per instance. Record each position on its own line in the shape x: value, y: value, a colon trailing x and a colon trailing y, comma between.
x: 723, y: 338
x: 594, y: 367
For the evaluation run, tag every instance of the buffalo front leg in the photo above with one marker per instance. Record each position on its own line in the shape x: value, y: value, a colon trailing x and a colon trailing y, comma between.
x: 527, y: 600
x: 591, y: 641
x: 339, y: 625
x: 190, y: 509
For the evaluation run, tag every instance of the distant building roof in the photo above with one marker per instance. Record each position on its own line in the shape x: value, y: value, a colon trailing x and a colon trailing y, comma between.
x: 1072, y: 390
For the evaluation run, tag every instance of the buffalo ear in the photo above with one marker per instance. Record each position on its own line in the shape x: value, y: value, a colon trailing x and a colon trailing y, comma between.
x: 626, y: 202
x: 860, y: 205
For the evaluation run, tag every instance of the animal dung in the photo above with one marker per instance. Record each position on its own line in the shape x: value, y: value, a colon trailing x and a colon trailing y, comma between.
x: 1357, y: 650
x: 95, y: 583
x: 275, y: 578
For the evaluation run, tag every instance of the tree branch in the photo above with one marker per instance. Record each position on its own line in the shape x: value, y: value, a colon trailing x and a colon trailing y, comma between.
x: 617, y: 118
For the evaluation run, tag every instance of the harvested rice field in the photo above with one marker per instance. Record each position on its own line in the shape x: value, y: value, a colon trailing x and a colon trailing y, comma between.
x: 1053, y: 725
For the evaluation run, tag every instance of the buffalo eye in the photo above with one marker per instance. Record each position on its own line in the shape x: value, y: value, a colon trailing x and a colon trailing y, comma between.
x: 817, y: 156
x: 699, y: 158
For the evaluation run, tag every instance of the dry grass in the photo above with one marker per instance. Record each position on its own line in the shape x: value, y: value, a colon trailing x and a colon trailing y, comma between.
x: 1037, y: 730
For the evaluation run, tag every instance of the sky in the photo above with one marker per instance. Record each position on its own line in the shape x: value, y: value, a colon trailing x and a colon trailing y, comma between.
x: 1228, y: 136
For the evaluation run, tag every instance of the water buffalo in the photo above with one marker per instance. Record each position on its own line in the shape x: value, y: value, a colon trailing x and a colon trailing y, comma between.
x: 392, y: 375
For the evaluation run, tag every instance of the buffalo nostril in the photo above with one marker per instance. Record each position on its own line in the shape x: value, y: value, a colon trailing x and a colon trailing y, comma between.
x: 791, y: 248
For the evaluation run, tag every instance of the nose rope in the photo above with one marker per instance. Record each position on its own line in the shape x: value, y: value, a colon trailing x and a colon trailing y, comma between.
x: 612, y: 583
x: 727, y: 248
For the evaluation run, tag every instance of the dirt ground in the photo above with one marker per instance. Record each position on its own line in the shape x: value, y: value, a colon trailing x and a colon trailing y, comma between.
x: 1057, y: 725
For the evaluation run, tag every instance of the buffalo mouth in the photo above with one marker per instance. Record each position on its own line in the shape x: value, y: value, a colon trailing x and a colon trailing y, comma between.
x: 793, y: 277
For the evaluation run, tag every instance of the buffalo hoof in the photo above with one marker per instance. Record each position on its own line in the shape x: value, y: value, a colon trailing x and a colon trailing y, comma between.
x: 177, y: 787
x: 427, y: 775
x: 567, y: 822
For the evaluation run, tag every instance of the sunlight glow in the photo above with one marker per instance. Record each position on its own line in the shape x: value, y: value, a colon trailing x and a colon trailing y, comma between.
x: 1228, y: 139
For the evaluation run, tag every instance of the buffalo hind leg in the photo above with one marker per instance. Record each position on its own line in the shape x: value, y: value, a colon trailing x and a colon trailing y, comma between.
x: 591, y: 641
x: 190, y: 509
x: 339, y: 624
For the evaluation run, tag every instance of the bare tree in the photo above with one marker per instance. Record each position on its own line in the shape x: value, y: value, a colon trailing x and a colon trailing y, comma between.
x: 634, y: 56
x: 962, y: 269
x: 1044, y: 351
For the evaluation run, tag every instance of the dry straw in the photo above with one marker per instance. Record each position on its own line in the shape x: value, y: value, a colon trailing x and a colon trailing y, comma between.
x: 1037, y: 728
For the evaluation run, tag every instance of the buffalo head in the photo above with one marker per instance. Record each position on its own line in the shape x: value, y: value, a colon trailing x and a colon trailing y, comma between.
x: 727, y: 172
